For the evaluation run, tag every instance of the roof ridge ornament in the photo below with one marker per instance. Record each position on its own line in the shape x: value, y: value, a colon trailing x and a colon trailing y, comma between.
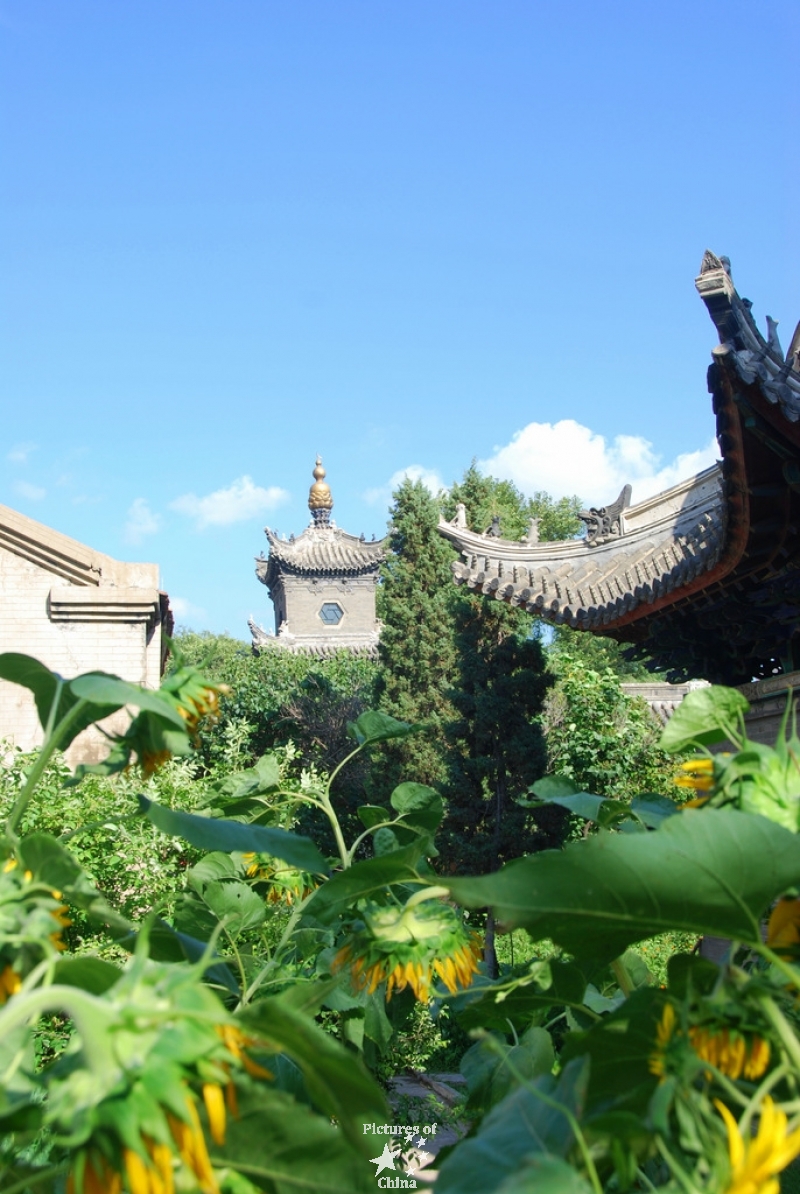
x: 320, y: 501
x: 606, y: 522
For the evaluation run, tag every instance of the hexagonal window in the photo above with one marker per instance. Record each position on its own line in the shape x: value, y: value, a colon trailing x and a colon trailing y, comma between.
x: 331, y: 613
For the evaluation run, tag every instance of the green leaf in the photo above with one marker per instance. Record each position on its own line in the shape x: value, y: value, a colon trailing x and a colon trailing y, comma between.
x: 487, y: 1066
x: 703, y: 717
x: 376, y: 1022
x: 706, y: 871
x: 653, y: 810
x: 263, y: 777
x: 518, y: 1128
x: 364, y: 879
x: 336, y: 1080
x: 101, y: 689
x: 418, y: 805
x: 217, y: 834
x: 620, y: 1047
x: 268, y: 772
x: 236, y: 904
x: 210, y: 868
x: 384, y: 841
x: 556, y: 983
x: 283, y: 1147
x: 372, y: 814
x: 379, y: 727
x: 545, y: 1175
x: 583, y: 804
x: 89, y: 974
x: 166, y: 944
x: 46, y: 686
x: 549, y: 787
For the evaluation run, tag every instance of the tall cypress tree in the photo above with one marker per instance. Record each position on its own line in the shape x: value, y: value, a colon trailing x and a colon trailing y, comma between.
x: 417, y: 646
x: 498, y: 691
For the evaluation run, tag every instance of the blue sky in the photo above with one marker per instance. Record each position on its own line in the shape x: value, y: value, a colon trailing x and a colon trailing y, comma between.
x: 401, y: 234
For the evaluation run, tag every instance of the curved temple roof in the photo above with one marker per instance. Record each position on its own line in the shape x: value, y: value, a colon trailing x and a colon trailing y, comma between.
x: 704, y: 577
x: 663, y: 544
x: 319, y: 551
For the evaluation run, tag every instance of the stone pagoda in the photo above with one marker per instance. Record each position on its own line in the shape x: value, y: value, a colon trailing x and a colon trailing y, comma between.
x: 322, y: 585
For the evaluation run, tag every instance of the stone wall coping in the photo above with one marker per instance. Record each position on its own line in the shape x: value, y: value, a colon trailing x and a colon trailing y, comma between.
x: 66, y: 557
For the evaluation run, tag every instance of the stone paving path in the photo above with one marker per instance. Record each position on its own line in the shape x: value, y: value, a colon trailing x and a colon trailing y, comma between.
x: 432, y: 1089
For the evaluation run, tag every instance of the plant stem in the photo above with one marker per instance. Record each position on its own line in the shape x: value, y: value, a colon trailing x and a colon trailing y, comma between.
x: 52, y: 740
x: 772, y: 1079
x: 341, y: 845
x: 779, y: 963
x: 554, y: 1105
x: 675, y: 1168
x: 35, y: 1179
x: 622, y: 977
x: 782, y: 1027
x: 92, y: 1019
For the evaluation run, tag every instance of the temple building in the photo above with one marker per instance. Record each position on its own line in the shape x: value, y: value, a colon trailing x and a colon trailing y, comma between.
x: 703, y: 579
x: 77, y: 610
x: 322, y: 585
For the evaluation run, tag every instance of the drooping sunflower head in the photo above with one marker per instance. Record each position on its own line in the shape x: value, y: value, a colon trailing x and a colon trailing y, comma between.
x: 287, y: 885
x: 665, y: 1031
x: 195, y: 696
x: 698, y: 776
x: 734, y: 1053
x: 783, y: 929
x: 409, y: 946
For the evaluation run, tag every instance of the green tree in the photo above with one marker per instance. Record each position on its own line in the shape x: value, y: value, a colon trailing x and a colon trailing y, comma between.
x: 417, y: 647
x: 278, y: 696
x: 597, y: 652
x: 498, y: 692
x: 599, y: 737
x: 487, y: 497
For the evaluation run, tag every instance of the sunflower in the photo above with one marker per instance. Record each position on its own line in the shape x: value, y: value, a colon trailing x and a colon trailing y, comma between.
x: 783, y: 929
x: 409, y: 947
x: 287, y: 884
x: 149, y: 1167
x: 665, y: 1031
x: 731, y: 1052
x: 698, y: 776
x: 755, y: 1163
x: 10, y: 983
x: 197, y: 698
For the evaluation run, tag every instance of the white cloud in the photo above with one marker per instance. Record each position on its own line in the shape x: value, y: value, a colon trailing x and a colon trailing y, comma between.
x: 567, y: 458
x: 141, y: 521
x: 240, y: 501
x: 186, y: 612
x: 20, y: 452
x: 34, y: 493
x: 415, y: 472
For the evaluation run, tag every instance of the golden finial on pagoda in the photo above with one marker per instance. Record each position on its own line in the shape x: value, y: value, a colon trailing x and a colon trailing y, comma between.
x: 320, y: 502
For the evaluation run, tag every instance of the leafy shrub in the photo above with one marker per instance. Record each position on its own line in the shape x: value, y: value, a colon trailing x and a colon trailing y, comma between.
x: 600, y: 738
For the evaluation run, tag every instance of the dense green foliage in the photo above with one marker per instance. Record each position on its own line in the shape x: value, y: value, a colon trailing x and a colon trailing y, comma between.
x: 486, y: 498
x: 597, y: 652
x: 583, y: 1073
x: 417, y: 648
x: 603, y: 740
x: 499, y: 686
x: 134, y: 865
x: 278, y: 696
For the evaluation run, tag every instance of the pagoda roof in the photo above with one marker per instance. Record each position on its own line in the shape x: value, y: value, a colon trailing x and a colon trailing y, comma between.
x: 703, y: 578
x: 319, y: 551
